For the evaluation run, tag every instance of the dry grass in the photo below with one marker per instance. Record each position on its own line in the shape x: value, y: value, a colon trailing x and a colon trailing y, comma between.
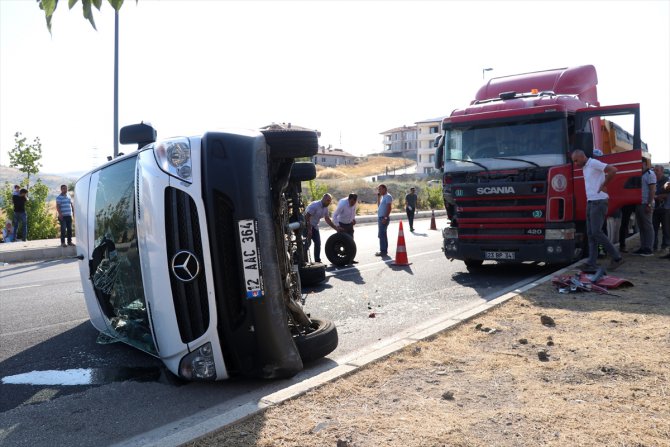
x: 366, y: 167
x: 606, y: 381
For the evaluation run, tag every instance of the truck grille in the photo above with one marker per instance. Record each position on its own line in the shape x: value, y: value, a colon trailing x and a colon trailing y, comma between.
x: 182, y: 232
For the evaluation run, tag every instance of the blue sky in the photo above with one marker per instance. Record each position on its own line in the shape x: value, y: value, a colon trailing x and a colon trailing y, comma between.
x: 349, y: 69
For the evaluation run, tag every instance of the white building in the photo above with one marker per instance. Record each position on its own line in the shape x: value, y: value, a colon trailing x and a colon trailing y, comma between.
x: 400, y: 142
x: 329, y: 156
x: 427, y: 131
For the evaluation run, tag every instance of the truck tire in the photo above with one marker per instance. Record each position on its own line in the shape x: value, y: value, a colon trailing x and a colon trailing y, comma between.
x: 303, y: 171
x: 288, y: 143
x: 318, y: 343
x: 472, y: 264
x: 340, y: 249
x: 312, y: 274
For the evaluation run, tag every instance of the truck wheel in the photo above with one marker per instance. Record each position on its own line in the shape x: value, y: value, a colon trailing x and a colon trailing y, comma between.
x: 318, y: 343
x: 340, y: 249
x: 291, y: 143
x: 473, y: 263
x: 303, y: 171
x: 312, y: 274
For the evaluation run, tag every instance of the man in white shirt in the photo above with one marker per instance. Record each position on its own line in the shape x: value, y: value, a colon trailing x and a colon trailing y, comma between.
x: 596, y: 177
x: 313, y: 214
x: 344, y: 216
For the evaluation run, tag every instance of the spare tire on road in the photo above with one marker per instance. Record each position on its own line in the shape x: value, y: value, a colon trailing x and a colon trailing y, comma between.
x: 340, y: 249
x: 312, y: 274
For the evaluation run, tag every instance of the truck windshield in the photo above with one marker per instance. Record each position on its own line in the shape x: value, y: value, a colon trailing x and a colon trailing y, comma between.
x: 115, y: 265
x: 537, y: 142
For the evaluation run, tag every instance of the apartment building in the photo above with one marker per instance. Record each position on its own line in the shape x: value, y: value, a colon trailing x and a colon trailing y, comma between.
x: 401, y: 142
x: 427, y: 130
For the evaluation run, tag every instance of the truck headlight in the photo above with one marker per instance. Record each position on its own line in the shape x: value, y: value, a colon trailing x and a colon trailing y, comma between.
x: 450, y: 233
x: 174, y: 157
x: 566, y: 234
x: 199, y: 364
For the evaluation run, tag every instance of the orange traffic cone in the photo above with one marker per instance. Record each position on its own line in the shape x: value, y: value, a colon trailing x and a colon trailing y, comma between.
x: 401, y: 250
x: 433, y: 226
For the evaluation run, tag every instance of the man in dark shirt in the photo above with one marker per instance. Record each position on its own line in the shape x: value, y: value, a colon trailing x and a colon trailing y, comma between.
x: 20, y: 215
x: 410, y: 207
x: 661, y: 216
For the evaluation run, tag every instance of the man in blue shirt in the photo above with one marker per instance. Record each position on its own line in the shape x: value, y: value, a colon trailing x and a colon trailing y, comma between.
x: 384, y: 202
x: 65, y: 212
x: 645, y: 210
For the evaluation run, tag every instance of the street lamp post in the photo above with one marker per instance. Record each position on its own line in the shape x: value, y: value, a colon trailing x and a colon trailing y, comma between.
x: 116, y: 83
x: 484, y: 70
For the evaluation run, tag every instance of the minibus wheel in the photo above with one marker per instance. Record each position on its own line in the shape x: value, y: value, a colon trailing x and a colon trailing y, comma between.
x: 287, y: 143
x: 317, y: 343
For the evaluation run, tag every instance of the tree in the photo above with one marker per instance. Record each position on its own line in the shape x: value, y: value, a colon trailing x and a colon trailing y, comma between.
x: 26, y: 157
x: 49, y: 6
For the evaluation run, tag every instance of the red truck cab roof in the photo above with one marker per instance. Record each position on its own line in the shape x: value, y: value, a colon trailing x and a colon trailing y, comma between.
x: 561, y: 89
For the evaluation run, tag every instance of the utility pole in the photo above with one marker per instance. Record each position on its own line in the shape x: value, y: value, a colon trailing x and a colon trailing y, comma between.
x: 116, y: 83
x: 484, y: 70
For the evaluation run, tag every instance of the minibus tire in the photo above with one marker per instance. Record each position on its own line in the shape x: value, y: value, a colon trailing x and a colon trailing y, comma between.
x: 319, y: 343
x: 303, y: 171
x: 312, y: 274
x: 287, y: 143
x: 340, y: 249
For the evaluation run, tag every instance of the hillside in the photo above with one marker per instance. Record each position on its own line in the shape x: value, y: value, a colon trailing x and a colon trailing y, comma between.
x: 53, y: 181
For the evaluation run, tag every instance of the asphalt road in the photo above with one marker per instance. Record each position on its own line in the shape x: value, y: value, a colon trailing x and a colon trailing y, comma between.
x: 59, y: 386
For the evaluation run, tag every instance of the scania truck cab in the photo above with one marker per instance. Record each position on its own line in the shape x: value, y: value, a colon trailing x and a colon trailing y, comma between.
x: 511, y: 191
x: 188, y: 249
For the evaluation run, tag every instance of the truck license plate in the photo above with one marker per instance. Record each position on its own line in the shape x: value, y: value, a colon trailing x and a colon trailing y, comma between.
x: 499, y: 255
x: 251, y: 260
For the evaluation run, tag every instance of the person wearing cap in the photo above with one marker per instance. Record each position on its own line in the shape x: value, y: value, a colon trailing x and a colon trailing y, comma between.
x: 410, y: 207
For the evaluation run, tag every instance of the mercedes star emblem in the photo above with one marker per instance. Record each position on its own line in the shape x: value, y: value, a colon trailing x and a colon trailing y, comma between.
x: 185, y: 266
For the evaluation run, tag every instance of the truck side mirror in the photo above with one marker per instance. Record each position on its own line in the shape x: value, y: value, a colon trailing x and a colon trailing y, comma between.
x: 439, y: 152
x: 584, y: 141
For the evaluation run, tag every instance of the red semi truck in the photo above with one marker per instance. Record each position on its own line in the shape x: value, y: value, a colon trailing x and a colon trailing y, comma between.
x: 510, y: 189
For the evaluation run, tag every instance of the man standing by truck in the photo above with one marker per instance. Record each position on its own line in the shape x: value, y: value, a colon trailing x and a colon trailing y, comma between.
x: 596, y: 177
x: 661, y: 217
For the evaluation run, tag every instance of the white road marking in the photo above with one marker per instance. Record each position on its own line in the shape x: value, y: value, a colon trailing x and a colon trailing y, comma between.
x: 22, y: 287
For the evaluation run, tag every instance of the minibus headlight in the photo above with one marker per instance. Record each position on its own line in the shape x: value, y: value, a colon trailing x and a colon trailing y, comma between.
x: 199, y: 364
x: 174, y: 157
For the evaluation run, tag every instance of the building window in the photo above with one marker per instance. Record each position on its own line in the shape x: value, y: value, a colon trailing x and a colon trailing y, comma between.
x: 431, y: 158
x: 434, y: 129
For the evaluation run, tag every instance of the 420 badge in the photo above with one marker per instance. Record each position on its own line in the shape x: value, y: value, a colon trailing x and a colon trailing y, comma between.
x: 251, y: 258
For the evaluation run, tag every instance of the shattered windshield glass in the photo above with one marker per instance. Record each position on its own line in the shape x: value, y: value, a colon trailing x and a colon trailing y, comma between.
x: 115, y: 265
x: 541, y: 142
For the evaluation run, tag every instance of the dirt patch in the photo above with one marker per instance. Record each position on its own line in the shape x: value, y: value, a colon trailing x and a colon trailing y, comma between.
x: 598, y: 376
